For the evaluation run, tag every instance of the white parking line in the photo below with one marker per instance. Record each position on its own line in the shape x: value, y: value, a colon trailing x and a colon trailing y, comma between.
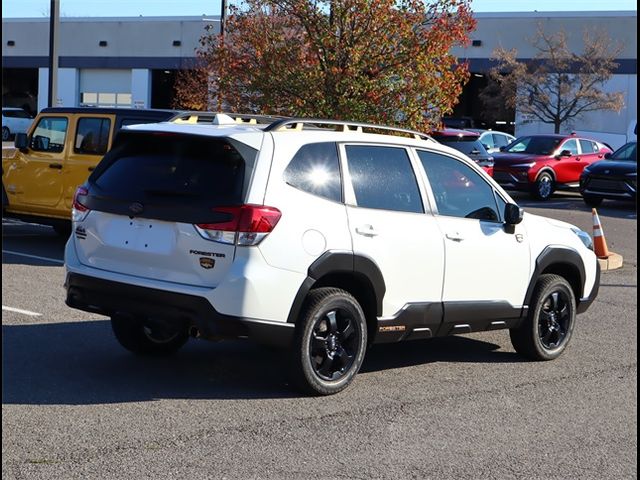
x: 52, y: 260
x: 19, y: 310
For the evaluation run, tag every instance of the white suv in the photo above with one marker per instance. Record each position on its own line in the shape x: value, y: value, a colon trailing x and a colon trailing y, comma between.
x: 318, y: 235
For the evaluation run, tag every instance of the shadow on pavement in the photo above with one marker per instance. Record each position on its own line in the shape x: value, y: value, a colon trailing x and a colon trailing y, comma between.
x: 80, y: 363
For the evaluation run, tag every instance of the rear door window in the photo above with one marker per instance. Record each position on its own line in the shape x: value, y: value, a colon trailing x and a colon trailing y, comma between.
x: 383, y: 178
x: 500, y: 140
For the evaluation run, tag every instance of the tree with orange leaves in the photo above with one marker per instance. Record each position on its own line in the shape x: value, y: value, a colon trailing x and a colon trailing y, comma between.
x: 378, y: 61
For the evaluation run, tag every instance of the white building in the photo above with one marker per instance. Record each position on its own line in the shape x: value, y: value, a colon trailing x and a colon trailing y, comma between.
x: 133, y: 61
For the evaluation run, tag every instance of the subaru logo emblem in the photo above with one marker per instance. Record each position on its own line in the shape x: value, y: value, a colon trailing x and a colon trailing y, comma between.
x: 606, y: 172
x: 136, y: 208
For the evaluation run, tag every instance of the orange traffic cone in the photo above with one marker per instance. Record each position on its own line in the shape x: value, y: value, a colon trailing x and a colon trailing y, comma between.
x: 599, y: 243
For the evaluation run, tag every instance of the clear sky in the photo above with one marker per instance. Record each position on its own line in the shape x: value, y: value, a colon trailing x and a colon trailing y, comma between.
x: 151, y: 8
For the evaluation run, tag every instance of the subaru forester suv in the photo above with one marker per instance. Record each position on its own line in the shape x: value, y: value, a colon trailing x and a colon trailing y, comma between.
x: 320, y: 236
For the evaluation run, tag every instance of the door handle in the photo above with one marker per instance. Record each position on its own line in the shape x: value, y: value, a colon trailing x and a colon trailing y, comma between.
x: 456, y: 237
x: 366, y: 230
x: 57, y: 166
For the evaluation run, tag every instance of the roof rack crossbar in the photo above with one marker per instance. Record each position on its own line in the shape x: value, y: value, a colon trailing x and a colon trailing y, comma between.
x: 208, y: 117
x: 298, y: 123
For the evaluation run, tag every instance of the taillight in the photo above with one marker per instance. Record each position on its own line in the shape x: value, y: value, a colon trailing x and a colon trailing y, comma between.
x: 247, y: 225
x: 79, y: 210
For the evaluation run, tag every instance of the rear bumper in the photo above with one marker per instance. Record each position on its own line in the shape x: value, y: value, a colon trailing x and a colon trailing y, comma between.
x: 106, y: 297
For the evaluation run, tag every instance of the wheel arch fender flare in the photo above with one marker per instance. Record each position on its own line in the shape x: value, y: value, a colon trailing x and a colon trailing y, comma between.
x: 340, y: 262
x: 546, y: 169
x: 563, y: 261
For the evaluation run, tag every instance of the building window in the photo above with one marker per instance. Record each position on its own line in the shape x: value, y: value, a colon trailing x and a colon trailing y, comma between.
x: 92, y: 99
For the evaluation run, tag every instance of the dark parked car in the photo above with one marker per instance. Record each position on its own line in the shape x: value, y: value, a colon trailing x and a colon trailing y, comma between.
x: 541, y: 164
x: 613, y: 178
x: 468, y: 143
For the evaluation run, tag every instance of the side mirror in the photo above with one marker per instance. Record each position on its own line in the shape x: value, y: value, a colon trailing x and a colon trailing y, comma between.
x: 513, y: 214
x: 607, y: 155
x: 564, y: 153
x: 503, y: 148
x: 21, y: 141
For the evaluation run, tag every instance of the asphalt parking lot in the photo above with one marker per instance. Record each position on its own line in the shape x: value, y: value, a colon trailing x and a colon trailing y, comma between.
x: 76, y: 405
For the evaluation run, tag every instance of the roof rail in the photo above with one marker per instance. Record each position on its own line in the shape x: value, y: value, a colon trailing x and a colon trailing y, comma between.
x: 288, y: 124
x: 210, y: 118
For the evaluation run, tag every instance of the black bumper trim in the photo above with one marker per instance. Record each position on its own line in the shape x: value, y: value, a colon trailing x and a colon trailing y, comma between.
x: 107, y: 297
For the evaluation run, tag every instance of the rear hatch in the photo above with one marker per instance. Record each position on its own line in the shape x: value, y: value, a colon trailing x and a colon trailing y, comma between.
x: 148, y: 195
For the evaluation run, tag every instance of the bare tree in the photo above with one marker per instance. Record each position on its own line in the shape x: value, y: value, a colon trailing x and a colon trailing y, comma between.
x: 557, y: 85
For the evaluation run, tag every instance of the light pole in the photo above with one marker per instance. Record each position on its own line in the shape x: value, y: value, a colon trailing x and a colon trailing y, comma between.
x: 223, y: 16
x: 54, y: 23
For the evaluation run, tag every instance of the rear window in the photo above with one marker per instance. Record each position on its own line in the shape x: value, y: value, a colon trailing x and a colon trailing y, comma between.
x: 148, y: 166
x: 467, y: 145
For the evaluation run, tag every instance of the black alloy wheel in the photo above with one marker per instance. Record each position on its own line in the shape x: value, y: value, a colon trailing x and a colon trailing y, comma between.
x: 545, y: 333
x: 554, y: 319
x: 334, y: 344
x: 329, y: 342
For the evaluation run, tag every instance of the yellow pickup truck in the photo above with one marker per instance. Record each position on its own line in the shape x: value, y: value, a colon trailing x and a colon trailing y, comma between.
x: 41, y: 172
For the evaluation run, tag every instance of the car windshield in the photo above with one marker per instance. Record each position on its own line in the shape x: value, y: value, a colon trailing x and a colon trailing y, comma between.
x: 626, y: 153
x: 466, y: 145
x: 534, y: 145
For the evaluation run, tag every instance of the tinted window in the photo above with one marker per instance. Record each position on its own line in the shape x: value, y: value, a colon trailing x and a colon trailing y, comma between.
x: 383, y: 178
x: 588, y: 146
x: 488, y: 140
x: 15, y: 114
x: 49, y: 135
x: 571, y: 145
x: 458, y: 189
x: 170, y: 166
x: 92, y: 136
x: 626, y: 152
x: 500, y: 140
x: 315, y: 168
x: 467, y: 145
x: 534, y: 145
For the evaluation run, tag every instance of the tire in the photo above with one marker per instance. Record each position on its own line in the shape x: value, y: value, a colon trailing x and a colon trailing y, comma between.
x: 329, y: 342
x: 6, y: 134
x: 148, y: 338
x: 547, y: 330
x: 543, y: 187
x: 592, y: 201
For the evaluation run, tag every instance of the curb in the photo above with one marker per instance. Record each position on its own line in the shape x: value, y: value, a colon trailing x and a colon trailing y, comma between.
x: 612, y: 262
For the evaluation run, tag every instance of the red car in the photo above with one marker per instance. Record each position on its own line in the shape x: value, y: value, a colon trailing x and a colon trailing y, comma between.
x: 468, y: 143
x: 542, y: 164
